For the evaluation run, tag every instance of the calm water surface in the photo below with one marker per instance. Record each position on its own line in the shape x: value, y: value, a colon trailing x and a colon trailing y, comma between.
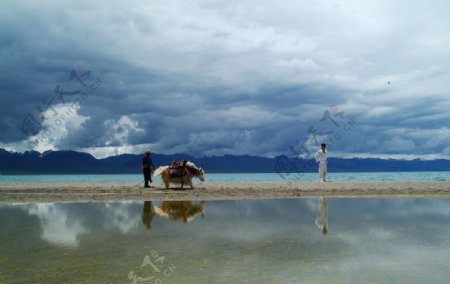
x: 254, y: 241
x: 235, y: 177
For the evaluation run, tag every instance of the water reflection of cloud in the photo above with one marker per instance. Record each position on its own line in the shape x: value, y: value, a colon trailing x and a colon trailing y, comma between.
x: 287, y: 209
x: 57, y: 227
x: 258, y: 220
x: 416, y: 207
x: 311, y: 204
x: 63, y: 223
x: 396, y: 261
x: 371, y: 240
x: 118, y: 215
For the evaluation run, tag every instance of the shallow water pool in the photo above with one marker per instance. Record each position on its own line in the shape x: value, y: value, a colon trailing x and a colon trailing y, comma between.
x: 310, y: 240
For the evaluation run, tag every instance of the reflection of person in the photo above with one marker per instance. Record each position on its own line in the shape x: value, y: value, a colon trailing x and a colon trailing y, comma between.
x: 321, y: 158
x: 322, y: 218
x: 147, y: 166
x: 180, y: 210
x: 147, y: 214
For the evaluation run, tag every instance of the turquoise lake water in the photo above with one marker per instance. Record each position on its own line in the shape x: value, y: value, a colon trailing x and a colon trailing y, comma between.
x: 252, y: 177
x: 247, y: 241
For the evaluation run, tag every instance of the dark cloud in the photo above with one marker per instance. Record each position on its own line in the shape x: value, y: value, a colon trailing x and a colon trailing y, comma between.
x: 220, y: 78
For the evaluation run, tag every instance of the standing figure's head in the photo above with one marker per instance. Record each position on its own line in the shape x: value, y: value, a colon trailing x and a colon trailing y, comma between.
x: 148, y: 152
x: 323, y: 146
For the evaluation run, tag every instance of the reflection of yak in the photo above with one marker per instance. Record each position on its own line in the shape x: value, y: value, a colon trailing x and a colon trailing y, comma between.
x: 186, y: 173
x: 147, y: 214
x: 180, y: 210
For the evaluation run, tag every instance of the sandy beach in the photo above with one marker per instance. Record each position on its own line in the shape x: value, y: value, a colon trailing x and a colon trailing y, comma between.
x: 59, y: 192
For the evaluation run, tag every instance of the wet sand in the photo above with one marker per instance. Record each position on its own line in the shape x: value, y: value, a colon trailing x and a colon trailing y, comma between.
x: 59, y: 192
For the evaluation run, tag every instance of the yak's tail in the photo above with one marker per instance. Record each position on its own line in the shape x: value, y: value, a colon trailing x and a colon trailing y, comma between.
x: 159, y: 170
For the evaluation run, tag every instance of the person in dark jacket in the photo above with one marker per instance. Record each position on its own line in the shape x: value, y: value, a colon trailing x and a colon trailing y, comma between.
x: 147, y: 167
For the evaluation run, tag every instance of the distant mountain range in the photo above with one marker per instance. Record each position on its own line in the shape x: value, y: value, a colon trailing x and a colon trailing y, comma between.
x: 72, y: 162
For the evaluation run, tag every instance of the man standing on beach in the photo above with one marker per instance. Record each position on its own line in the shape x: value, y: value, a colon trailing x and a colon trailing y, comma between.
x: 147, y: 166
x: 321, y: 158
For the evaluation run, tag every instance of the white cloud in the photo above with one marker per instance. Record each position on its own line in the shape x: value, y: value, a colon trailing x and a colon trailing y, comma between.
x: 61, y: 119
x: 121, y: 129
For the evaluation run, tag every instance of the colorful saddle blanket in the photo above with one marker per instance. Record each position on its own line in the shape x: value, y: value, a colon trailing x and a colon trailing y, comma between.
x: 176, y: 169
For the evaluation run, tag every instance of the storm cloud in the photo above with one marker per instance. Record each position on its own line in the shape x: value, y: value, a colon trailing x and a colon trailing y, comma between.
x: 221, y: 77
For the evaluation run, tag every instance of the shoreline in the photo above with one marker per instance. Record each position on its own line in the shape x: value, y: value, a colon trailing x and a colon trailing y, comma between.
x: 75, y: 192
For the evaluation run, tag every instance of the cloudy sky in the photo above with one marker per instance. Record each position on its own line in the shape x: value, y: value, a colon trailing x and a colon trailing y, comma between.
x: 370, y: 78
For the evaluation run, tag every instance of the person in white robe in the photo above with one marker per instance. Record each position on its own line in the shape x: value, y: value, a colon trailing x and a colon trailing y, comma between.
x: 321, y: 158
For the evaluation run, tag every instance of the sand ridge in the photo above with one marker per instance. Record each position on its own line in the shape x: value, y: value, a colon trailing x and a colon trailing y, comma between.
x: 63, y: 192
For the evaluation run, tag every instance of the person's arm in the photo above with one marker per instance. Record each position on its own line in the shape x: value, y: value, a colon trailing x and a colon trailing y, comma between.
x: 317, y: 156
